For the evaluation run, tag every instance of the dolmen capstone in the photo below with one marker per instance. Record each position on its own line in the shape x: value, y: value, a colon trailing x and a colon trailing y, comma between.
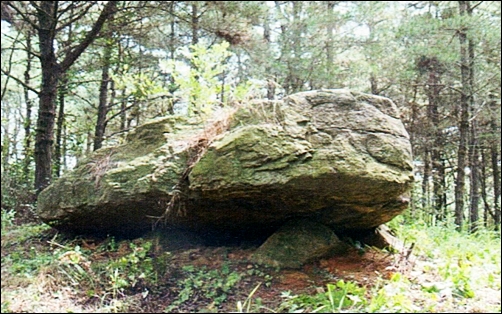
x: 335, y: 157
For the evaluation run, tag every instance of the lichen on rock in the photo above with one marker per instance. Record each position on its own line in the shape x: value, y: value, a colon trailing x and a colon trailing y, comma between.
x: 337, y: 157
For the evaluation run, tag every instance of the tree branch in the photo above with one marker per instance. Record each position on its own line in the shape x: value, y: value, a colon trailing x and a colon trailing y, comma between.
x: 20, y: 82
x: 4, y: 89
x: 73, y: 19
x: 476, y: 5
x: 70, y: 58
x: 121, y: 111
x: 24, y: 17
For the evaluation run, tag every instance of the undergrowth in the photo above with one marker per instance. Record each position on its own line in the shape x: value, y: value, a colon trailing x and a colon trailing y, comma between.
x: 44, y: 271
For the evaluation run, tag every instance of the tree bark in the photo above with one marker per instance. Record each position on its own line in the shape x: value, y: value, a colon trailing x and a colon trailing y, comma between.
x: 103, y: 97
x: 268, y: 68
x: 484, y: 193
x: 60, y: 124
x: 195, y: 24
x: 28, y: 152
x: 425, y: 180
x: 465, y: 99
x: 46, y: 113
x: 330, y: 6
x: 474, y: 180
x: 495, y: 158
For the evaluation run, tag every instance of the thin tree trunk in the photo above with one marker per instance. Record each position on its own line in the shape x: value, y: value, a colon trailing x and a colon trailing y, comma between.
x: 60, y: 125
x: 294, y: 66
x: 330, y: 48
x: 123, y: 101
x: 465, y: 99
x: 65, y: 148
x: 123, y: 111
x: 6, y: 138
x: 28, y: 152
x: 474, y: 180
x: 484, y: 194
x: 425, y: 180
x: 268, y: 68
x: 172, y: 35
x: 495, y: 154
x: 195, y: 24
x: 438, y: 173
x: 474, y: 162
x: 99, y: 132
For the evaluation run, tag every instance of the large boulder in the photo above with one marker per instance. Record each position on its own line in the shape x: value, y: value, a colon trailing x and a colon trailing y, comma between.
x: 338, y: 157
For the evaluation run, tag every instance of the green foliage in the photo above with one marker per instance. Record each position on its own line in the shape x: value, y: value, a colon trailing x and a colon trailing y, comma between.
x: 339, y: 296
x: 16, y: 188
x: 7, y: 218
x: 201, y: 78
x: 198, y: 80
x: 394, y: 297
x: 129, y: 270
x: 464, y: 262
x: 28, y: 263
x: 74, y: 266
x: 255, y: 271
x: 212, y: 284
x: 19, y: 235
x: 138, y: 85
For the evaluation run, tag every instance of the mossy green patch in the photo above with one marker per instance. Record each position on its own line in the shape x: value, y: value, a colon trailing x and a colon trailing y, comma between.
x: 298, y: 242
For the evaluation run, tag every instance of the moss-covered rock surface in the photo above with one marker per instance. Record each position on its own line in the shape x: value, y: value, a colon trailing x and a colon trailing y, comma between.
x: 338, y: 157
x: 297, y: 242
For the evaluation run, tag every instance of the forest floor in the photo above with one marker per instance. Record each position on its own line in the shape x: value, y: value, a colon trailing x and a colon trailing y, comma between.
x: 44, y: 271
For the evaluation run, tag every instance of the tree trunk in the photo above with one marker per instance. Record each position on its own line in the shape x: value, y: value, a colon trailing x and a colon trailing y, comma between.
x: 103, y: 97
x: 474, y: 180
x: 6, y: 138
x: 294, y: 65
x: 28, y: 152
x: 123, y: 100
x: 495, y: 154
x: 195, y: 24
x: 46, y: 112
x: 268, y: 68
x: 465, y: 99
x: 123, y: 111
x: 60, y: 125
x: 484, y: 193
x: 425, y: 180
x: 330, y: 6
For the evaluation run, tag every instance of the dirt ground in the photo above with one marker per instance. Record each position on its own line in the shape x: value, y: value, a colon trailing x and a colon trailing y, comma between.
x: 366, y: 269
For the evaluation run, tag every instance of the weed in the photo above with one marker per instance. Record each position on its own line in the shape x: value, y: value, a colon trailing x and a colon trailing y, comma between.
x: 392, y: 296
x: 7, y: 218
x: 260, y: 273
x: 341, y: 295
x: 27, y: 262
x: 128, y: 270
x: 246, y: 306
x: 213, y: 284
